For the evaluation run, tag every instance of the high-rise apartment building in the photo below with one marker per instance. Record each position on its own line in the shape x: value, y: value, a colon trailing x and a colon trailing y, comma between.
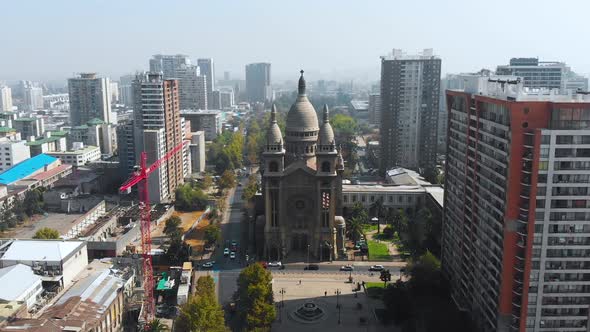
x: 14, y: 151
x: 90, y: 98
x: 191, y: 84
x: 410, y: 88
x: 126, y: 147
x: 5, y: 99
x: 32, y: 95
x: 126, y: 90
x: 516, y: 232
x: 168, y: 64
x: 157, y: 122
x: 374, y: 108
x: 207, y: 69
x: 258, y: 87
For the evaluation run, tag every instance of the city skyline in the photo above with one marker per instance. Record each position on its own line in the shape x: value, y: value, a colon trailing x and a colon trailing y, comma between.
x: 274, y: 39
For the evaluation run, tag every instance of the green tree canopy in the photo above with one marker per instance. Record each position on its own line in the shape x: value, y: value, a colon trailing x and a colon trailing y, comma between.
x: 172, y: 226
x: 212, y: 234
x: 251, y: 188
x: 46, y: 233
x: 227, y: 180
x: 202, y: 312
x: 255, y: 298
x: 190, y: 198
x: 156, y: 325
x: 33, y: 202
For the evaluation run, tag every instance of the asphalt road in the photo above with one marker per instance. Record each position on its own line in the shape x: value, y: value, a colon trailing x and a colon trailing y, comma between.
x: 226, y: 270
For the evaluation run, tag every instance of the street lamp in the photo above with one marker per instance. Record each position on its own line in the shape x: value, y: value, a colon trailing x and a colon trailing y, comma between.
x: 282, y: 304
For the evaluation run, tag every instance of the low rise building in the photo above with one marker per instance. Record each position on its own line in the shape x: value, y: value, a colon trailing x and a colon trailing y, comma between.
x: 94, y: 303
x: 29, y: 127
x: 359, y: 109
x: 95, y: 133
x: 29, y: 167
x: 207, y: 121
x: 10, y: 133
x: 55, y: 261
x: 19, y: 283
x: 12, y: 152
x: 79, y: 155
x: 49, y: 143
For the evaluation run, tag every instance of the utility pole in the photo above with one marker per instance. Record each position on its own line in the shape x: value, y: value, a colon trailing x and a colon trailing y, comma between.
x: 308, y: 247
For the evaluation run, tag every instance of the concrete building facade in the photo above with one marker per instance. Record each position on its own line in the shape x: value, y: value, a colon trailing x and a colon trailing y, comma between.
x: 410, y: 88
x: 258, y: 89
x: 207, y: 121
x: 516, y: 228
x: 32, y: 96
x: 197, y: 148
x: 5, y: 99
x: 90, y: 98
x: 12, y: 152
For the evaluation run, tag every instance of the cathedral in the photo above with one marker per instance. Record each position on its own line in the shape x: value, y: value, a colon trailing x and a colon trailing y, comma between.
x: 302, y: 185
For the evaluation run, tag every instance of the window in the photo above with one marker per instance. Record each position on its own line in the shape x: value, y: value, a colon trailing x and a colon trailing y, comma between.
x: 326, y: 166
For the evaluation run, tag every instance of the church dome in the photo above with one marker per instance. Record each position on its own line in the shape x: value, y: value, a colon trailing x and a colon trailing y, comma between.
x: 274, y: 135
x: 326, y: 131
x: 302, y: 116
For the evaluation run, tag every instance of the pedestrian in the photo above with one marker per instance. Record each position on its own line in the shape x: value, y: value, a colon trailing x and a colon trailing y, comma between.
x: 300, y: 281
x: 325, y: 293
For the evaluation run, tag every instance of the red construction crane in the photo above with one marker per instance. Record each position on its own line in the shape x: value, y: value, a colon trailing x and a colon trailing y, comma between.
x: 140, y: 178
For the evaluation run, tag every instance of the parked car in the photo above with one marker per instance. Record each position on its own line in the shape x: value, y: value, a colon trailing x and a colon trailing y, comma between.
x: 275, y: 264
x: 312, y: 267
x: 347, y: 268
x: 208, y: 265
x: 232, y: 255
x: 226, y: 252
x: 376, y: 268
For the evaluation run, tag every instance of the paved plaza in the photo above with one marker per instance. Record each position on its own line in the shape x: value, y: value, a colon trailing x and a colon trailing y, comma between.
x: 321, y: 290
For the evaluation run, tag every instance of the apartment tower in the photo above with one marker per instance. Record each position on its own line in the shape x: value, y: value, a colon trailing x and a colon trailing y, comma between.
x: 516, y: 232
x: 258, y: 89
x: 410, y: 88
x: 90, y: 98
x: 157, y: 123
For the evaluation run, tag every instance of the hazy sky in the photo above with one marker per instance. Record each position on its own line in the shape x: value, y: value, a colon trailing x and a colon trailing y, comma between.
x: 44, y: 39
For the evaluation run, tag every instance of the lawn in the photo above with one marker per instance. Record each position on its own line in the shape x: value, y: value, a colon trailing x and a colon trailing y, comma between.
x: 374, y: 289
x: 378, y: 251
x: 369, y: 228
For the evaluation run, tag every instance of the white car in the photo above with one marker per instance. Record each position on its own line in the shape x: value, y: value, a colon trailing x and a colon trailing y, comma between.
x: 225, y: 251
x: 347, y: 268
x: 232, y: 255
x: 275, y: 264
x: 208, y: 265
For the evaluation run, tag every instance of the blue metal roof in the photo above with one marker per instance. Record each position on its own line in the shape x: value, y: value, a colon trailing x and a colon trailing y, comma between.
x: 25, y: 168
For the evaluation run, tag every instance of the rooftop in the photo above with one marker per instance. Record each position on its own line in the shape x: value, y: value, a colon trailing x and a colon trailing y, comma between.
x: 47, y: 174
x: 198, y: 112
x: 511, y: 88
x: 60, y: 133
x: 7, y: 130
x: 20, y: 278
x: 26, y: 168
x: 25, y: 119
x: 43, y: 141
x: 40, y: 250
x: 85, y: 149
x: 403, y: 176
x: 360, y: 104
x: 398, y: 54
x: 438, y: 193
x: 348, y: 188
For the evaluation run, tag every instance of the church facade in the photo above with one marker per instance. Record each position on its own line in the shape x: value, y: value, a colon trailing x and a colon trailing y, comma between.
x: 302, y: 185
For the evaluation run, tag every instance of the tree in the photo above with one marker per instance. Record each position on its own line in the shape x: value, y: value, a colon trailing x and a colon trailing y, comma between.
x: 251, y: 188
x: 377, y: 208
x: 354, y: 228
x: 212, y: 234
x: 388, y: 231
x: 202, y: 312
x: 207, y: 182
x: 359, y: 211
x: 189, y: 198
x: 255, y: 298
x: 227, y: 180
x: 430, y: 174
x: 397, y: 300
x: 46, y: 233
x: 172, y: 226
x: 33, y: 202
x: 426, y: 276
x: 156, y: 326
